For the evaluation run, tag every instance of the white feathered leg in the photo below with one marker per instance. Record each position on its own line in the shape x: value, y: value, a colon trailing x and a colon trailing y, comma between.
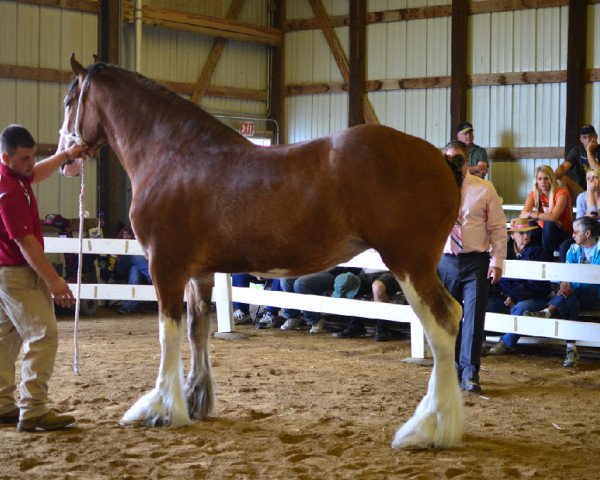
x: 439, y: 419
x: 165, y: 404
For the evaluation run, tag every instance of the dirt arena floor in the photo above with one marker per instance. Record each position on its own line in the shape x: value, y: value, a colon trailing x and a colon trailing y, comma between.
x: 294, y: 406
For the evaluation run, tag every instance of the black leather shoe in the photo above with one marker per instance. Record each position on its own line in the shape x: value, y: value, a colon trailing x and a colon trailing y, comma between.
x: 471, y: 386
x: 351, y: 332
x: 11, y: 417
x: 381, y: 334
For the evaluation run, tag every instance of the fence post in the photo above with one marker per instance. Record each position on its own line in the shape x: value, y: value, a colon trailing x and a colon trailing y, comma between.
x: 417, y: 340
x: 222, y: 296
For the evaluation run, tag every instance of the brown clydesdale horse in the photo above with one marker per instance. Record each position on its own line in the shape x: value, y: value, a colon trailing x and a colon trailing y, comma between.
x: 207, y: 200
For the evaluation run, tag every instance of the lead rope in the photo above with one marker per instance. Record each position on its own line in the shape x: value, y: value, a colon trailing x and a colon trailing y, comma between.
x: 79, y: 268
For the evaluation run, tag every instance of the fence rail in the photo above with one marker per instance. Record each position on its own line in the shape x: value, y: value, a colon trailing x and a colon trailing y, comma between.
x: 587, y: 333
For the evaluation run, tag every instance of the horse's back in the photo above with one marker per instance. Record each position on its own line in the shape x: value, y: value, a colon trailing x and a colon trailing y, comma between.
x: 394, y: 182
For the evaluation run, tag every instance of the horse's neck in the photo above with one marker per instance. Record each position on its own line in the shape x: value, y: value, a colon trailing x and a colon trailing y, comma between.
x: 147, y: 126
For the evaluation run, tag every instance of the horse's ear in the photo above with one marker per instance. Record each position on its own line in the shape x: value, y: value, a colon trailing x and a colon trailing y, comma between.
x: 97, y: 59
x: 77, y: 68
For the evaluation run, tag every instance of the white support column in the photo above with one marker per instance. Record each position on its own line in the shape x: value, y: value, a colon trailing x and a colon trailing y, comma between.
x: 222, y: 298
x: 417, y: 341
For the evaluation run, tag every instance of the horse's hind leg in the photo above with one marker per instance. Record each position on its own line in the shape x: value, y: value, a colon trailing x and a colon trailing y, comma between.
x: 200, y: 385
x: 438, y: 420
x: 164, y: 405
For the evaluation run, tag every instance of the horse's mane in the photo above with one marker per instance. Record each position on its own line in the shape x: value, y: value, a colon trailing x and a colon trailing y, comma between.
x: 156, y: 93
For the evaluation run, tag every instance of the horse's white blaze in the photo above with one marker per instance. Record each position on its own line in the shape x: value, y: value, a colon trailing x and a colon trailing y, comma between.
x: 439, y: 418
x: 165, y: 404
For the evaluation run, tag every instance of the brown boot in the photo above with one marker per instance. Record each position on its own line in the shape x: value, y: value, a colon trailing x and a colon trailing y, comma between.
x: 48, y: 421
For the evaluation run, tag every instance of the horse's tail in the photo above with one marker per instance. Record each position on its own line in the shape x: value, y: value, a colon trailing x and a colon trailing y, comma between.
x: 456, y: 163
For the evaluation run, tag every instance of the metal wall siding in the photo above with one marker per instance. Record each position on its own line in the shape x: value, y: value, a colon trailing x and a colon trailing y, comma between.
x: 298, y: 9
x: 39, y: 36
x: 592, y: 91
x: 519, y: 115
x: 8, y: 27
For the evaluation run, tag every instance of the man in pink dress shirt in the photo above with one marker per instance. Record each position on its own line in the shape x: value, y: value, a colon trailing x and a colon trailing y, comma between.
x: 468, y: 262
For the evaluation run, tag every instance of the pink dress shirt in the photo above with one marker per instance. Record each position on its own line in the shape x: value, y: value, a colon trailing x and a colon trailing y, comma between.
x: 484, y: 223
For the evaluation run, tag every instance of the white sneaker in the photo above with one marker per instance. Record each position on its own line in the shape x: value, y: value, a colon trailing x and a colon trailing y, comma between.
x: 240, y: 318
x: 318, y: 327
x: 292, y: 323
x: 268, y: 320
x: 500, y: 349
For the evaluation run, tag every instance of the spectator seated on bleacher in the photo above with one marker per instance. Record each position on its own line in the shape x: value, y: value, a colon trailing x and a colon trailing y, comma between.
x: 241, y: 311
x: 376, y: 285
x: 572, y: 298
x: 130, y: 268
x: 549, y: 206
x: 321, y: 283
x: 586, y: 206
x: 517, y: 296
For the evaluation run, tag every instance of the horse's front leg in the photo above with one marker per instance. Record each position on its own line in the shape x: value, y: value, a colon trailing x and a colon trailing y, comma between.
x: 165, y: 405
x: 200, y: 385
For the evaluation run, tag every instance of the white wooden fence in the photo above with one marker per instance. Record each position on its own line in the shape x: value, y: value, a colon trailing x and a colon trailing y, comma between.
x: 586, y: 333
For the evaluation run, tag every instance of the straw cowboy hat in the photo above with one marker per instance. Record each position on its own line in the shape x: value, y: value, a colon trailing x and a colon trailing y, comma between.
x: 521, y: 225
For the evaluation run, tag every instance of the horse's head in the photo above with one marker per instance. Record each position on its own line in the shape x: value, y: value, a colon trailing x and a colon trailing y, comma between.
x: 81, y: 123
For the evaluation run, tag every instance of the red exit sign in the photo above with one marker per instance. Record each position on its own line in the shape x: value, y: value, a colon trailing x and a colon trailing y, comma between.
x: 247, y: 129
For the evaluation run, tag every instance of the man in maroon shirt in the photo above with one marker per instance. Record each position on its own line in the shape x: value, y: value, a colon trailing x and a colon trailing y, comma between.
x: 27, y: 284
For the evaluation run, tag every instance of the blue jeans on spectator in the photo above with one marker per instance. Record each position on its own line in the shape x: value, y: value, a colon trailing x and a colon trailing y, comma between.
x: 135, y: 267
x: 244, y: 280
x: 550, y: 237
x: 496, y: 304
x: 581, y: 299
x: 315, y: 284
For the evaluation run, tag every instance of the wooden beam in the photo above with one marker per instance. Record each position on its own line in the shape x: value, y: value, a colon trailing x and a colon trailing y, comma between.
x: 89, y: 6
x: 214, y: 55
x: 517, y: 78
x: 338, y: 53
x: 112, y: 180
x: 398, y: 15
x: 483, y: 79
x: 18, y: 72
x: 576, y: 58
x: 438, y: 11
x: 204, y: 25
x: 493, y: 6
x: 459, y: 53
x: 187, y: 88
x: 517, y: 153
x: 334, y: 44
x: 277, y: 76
x: 357, y: 63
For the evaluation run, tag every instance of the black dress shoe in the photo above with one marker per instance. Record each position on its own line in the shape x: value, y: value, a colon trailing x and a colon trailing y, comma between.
x: 11, y: 417
x: 471, y: 386
x: 381, y: 334
x: 351, y: 332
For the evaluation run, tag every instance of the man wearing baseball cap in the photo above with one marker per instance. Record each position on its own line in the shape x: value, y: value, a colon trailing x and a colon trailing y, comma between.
x: 466, y: 134
x: 585, y: 154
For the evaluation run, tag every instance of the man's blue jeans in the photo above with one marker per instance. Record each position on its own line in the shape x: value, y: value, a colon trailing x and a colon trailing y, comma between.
x: 570, y: 307
x: 496, y: 304
x: 244, y: 280
x: 315, y: 284
x: 138, y: 275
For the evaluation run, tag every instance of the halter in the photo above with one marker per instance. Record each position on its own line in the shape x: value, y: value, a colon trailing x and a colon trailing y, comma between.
x: 75, y: 136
